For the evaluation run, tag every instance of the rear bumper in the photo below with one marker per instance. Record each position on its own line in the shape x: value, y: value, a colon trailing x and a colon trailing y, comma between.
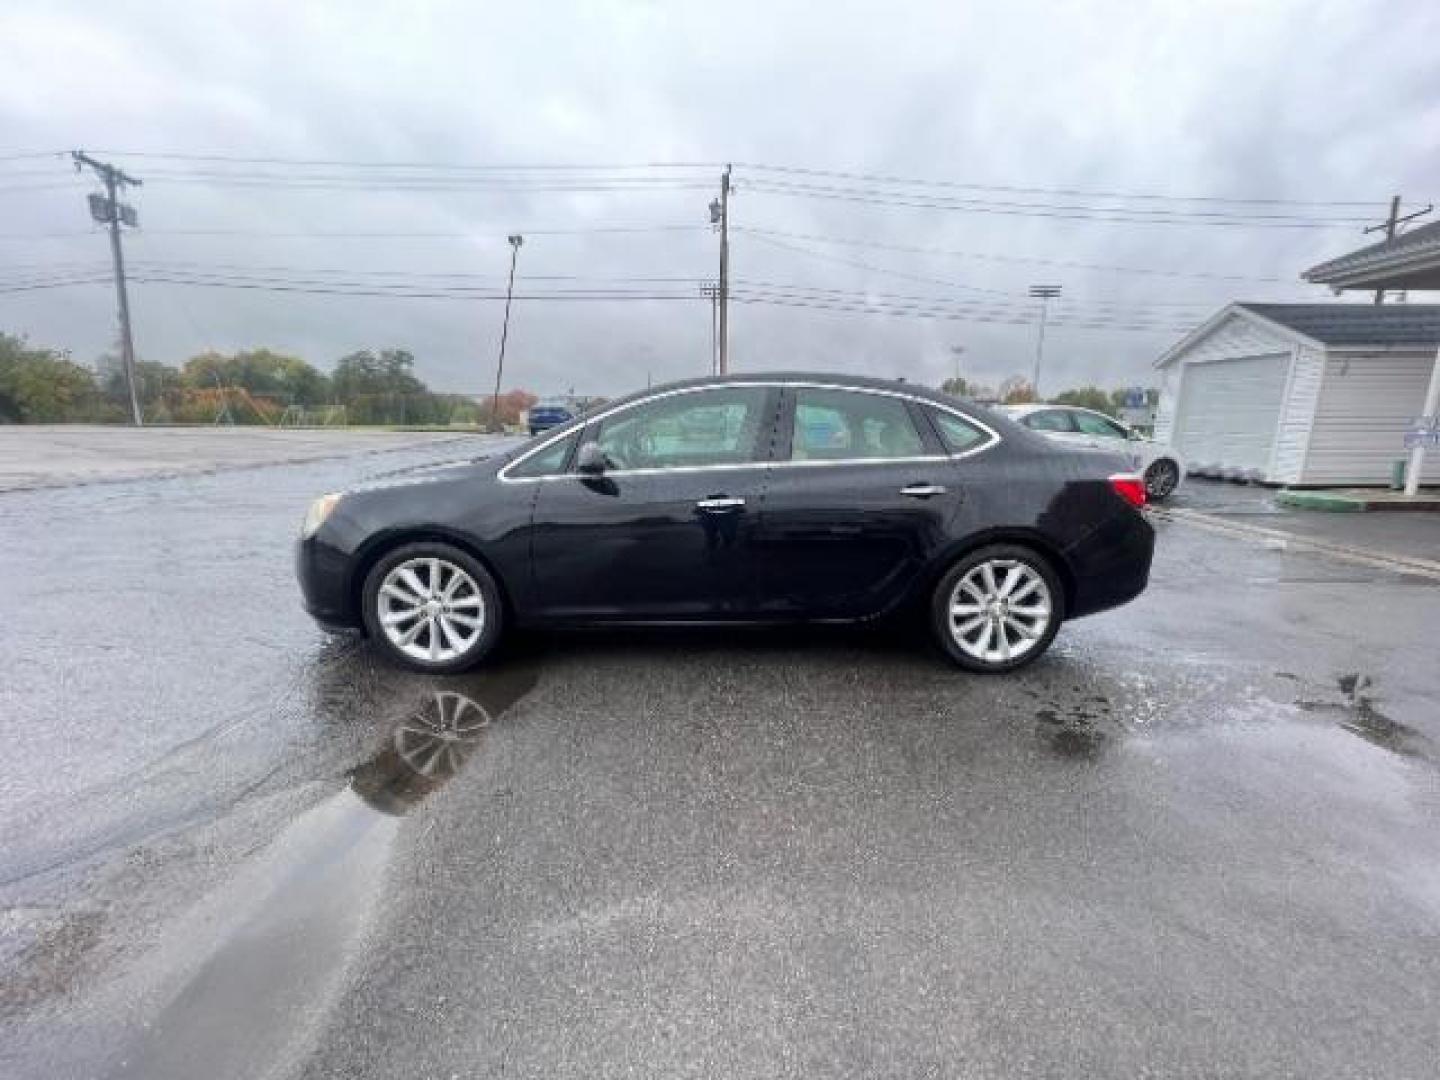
x: 324, y: 577
x: 1112, y: 564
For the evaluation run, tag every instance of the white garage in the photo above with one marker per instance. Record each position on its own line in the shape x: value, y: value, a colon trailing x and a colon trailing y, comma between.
x: 1298, y: 394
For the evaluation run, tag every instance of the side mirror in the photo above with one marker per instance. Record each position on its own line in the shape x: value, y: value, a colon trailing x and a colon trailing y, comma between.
x: 590, y: 461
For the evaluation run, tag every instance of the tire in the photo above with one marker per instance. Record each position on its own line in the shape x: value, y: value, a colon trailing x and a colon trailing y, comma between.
x: 453, y: 626
x: 1161, y: 479
x: 1025, y: 630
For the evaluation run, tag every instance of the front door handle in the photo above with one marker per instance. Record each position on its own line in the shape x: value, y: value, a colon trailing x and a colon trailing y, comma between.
x: 922, y: 491
x: 719, y: 504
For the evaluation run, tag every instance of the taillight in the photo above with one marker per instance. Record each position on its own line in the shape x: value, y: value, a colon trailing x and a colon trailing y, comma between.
x: 1129, y: 487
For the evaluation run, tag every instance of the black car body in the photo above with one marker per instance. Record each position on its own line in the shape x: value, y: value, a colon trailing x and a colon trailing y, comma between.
x: 745, y: 499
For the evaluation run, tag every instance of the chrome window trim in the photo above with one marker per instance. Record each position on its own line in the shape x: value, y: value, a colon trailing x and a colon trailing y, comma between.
x: 994, y: 439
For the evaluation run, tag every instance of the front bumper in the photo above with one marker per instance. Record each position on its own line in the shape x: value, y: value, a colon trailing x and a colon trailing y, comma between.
x: 324, y: 577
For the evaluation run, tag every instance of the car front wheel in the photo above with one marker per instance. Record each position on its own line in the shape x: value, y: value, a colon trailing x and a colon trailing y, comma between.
x: 432, y: 607
x: 998, y: 608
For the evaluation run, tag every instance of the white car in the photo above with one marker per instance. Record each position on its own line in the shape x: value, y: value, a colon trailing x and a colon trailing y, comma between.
x: 1161, y: 465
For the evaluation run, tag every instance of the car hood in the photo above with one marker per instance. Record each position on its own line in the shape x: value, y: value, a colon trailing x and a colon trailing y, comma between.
x: 433, y: 473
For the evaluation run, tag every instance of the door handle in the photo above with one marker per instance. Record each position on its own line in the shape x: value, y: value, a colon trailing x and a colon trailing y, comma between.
x: 922, y: 491
x: 719, y: 504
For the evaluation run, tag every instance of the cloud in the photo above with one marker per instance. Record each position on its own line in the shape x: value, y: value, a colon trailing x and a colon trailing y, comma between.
x: 1297, y: 101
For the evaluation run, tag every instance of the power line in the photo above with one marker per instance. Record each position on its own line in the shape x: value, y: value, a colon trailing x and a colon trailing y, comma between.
x: 780, y: 170
x: 437, y: 165
x: 855, y: 263
x: 1104, y: 214
x: 962, y: 316
x: 438, y: 184
x: 1005, y: 300
x: 33, y: 154
x: 1011, y: 189
x: 1018, y: 259
x: 182, y: 266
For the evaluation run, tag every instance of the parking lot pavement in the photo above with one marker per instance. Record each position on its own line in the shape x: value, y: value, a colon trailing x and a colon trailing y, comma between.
x: 44, y: 456
x: 1198, y: 839
x: 1394, y: 533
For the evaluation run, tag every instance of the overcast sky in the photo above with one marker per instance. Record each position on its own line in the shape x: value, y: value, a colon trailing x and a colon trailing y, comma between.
x: 1300, y: 102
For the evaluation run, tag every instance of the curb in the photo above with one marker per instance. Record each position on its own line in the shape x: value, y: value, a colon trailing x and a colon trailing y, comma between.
x: 1320, y: 500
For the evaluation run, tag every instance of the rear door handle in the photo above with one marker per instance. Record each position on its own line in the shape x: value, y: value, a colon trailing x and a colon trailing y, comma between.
x: 720, y: 504
x: 922, y: 491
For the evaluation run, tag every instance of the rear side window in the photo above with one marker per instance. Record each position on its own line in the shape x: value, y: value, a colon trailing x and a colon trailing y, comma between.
x: 838, y: 425
x: 1091, y: 424
x: 548, y: 462
x: 1048, y: 420
x: 957, y: 434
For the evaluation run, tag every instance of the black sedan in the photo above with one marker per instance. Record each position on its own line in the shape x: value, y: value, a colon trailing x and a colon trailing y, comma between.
x: 742, y: 499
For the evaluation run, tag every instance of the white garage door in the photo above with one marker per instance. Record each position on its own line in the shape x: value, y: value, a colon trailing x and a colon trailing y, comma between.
x: 1229, y: 411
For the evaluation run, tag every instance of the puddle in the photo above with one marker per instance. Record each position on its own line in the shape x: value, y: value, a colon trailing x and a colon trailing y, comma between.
x: 1357, y: 714
x: 243, y: 980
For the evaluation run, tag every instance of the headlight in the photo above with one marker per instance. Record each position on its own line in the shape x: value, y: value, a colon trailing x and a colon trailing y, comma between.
x: 319, y: 510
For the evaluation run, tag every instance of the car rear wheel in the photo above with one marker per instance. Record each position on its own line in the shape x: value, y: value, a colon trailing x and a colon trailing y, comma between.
x: 432, y: 607
x: 1161, y: 480
x: 998, y: 608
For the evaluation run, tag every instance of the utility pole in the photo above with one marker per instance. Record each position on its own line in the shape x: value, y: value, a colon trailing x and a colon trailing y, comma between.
x: 1390, y: 224
x: 712, y: 292
x: 720, y: 215
x: 1043, y: 293
x: 515, y: 240
x: 957, y: 351
x: 110, y: 212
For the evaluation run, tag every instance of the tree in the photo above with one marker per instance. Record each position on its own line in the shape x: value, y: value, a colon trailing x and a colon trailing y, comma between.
x: 1089, y: 397
x: 287, y: 380
x: 513, y: 404
x: 956, y: 387
x: 155, y: 383
x: 1016, y: 390
x: 39, y: 385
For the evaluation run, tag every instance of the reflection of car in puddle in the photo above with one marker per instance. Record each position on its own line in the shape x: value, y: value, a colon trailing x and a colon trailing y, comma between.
x: 430, y: 746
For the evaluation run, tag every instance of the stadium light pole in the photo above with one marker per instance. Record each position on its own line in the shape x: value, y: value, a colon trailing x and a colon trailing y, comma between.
x: 1043, y: 293
x: 515, y: 240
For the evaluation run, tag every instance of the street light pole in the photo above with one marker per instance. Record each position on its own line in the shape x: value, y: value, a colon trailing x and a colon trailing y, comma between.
x: 957, y: 351
x: 515, y: 240
x: 1043, y: 293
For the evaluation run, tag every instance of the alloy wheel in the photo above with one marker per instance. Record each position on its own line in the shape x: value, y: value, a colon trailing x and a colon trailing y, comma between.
x: 1000, y: 610
x: 431, y: 609
x: 1161, y: 479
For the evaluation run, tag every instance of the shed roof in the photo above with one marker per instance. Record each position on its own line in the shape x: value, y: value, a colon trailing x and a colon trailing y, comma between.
x: 1335, y: 325
x: 1357, y: 324
x: 1409, y: 261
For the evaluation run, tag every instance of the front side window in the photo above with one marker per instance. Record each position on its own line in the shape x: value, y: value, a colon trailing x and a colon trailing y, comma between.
x: 958, y: 435
x: 1093, y: 424
x: 1048, y: 420
x: 841, y: 425
x: 709, y: 427
x: 547, y: 462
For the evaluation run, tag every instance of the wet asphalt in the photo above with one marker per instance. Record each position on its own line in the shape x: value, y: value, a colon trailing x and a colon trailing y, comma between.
x: 1199, y: 839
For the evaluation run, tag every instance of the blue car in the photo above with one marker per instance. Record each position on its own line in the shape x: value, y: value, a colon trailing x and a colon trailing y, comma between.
x: 545, y: 415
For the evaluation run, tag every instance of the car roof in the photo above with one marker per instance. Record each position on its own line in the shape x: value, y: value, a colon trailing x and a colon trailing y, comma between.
x: 1028, y: 407
x: 828, y: 378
